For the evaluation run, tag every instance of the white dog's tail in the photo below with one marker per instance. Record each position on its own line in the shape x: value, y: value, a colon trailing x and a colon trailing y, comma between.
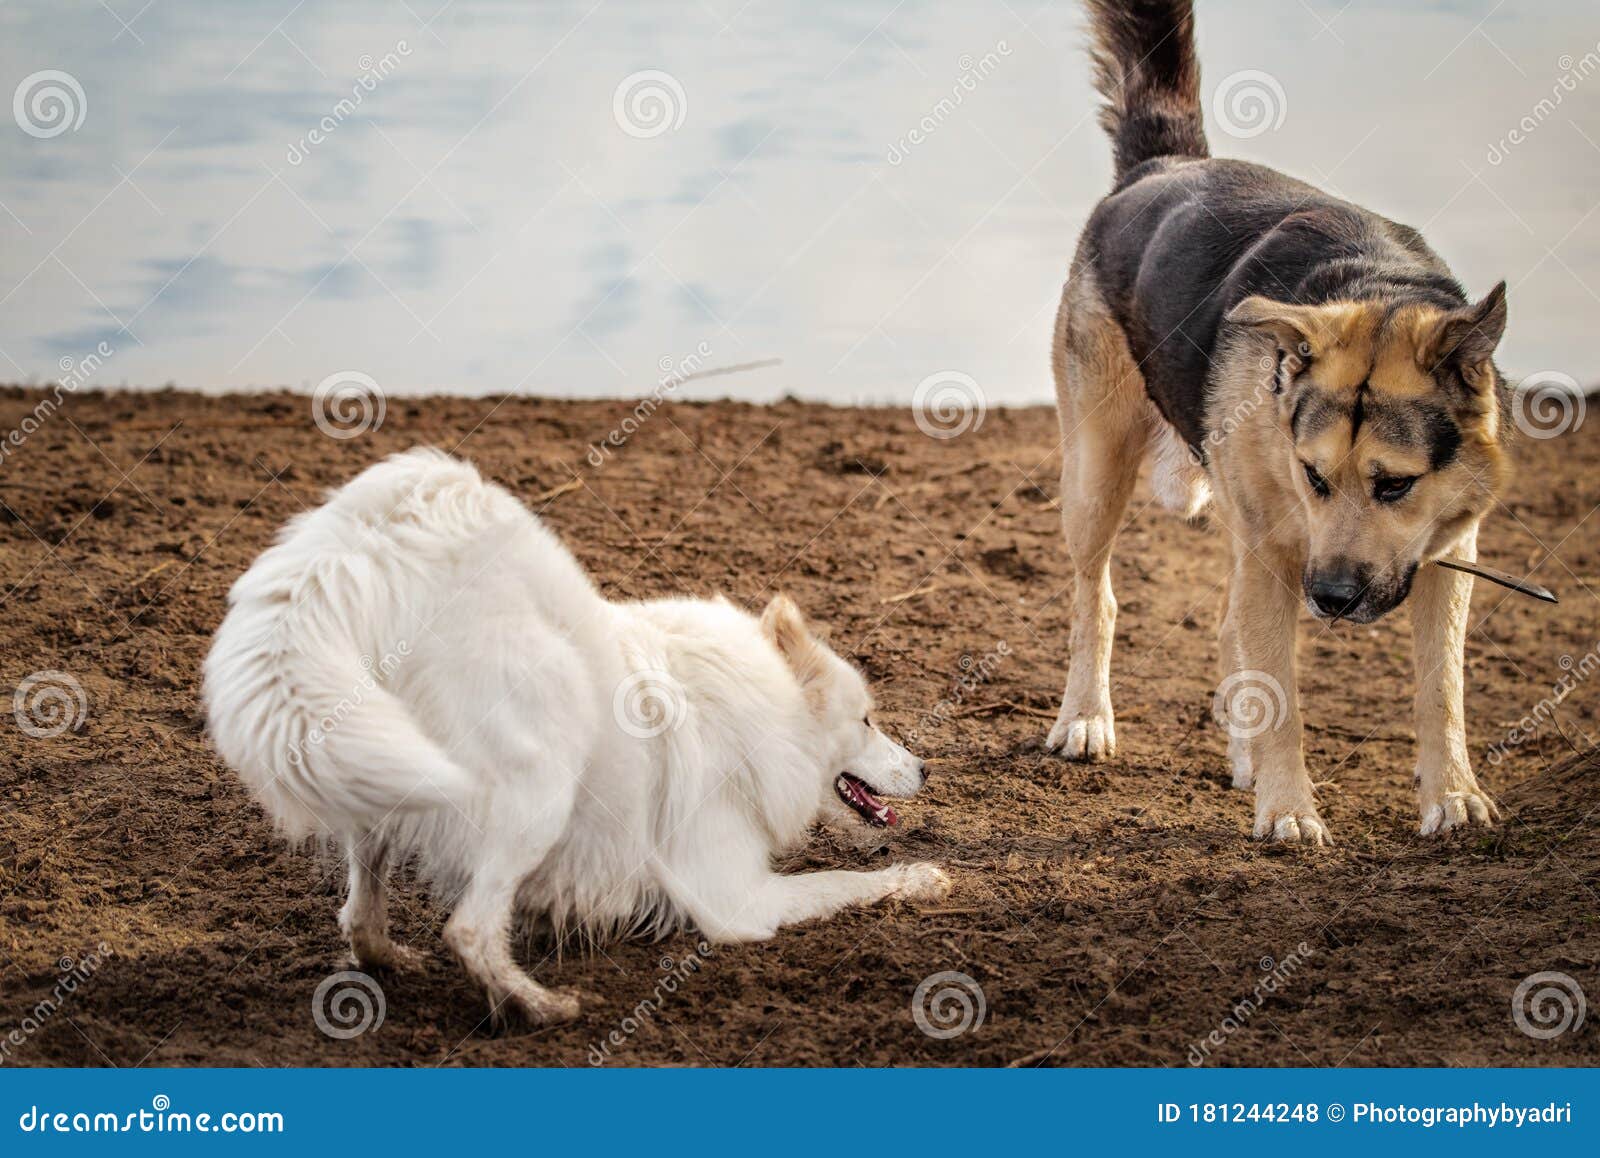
x: 318, y: 739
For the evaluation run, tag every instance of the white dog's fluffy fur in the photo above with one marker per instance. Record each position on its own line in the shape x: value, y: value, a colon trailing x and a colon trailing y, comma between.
x: 420, y: 669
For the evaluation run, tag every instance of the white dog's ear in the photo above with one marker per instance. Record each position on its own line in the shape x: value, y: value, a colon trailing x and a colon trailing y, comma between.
x: 783, y: 624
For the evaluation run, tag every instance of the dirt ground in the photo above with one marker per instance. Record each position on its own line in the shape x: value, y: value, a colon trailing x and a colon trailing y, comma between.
x: 1109, y: 915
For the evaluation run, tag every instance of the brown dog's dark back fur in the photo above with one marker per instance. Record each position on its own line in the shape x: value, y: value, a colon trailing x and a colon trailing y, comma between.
x: 1184, y: 238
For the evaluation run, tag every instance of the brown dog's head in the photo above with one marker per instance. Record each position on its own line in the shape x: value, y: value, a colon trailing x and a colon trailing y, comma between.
x: 1394, y: 414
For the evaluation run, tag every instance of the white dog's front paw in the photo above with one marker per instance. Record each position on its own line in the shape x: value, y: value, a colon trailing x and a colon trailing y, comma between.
x: 1291, y: 824
x: 1090, y: 736
x: 923, y: 882
x: 1443, y: 811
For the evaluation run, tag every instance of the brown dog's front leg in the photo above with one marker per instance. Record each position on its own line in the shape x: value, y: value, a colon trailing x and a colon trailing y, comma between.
x: 1448, y: 795
x: 1259, y: 704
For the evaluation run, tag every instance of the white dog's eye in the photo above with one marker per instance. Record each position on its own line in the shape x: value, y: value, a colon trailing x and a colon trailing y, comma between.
x: 867, y: 721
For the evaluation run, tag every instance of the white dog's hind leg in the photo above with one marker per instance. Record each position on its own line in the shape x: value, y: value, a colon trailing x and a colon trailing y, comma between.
x: 479, y: 933
x: 365, y: 916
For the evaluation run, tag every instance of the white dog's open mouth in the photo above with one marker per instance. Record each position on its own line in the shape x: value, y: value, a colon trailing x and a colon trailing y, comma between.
x: 854, y: 793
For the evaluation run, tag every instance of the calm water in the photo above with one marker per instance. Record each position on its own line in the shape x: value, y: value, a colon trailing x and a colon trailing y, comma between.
x: 476, y: 197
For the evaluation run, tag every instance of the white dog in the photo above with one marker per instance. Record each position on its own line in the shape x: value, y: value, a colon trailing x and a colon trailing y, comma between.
x: 420, y: 669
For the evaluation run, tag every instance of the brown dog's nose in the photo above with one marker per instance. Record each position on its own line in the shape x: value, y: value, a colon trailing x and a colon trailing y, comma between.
x: 1335, y: 596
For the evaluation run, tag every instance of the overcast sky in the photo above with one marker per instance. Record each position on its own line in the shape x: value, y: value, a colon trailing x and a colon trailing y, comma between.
x: 509, y: 206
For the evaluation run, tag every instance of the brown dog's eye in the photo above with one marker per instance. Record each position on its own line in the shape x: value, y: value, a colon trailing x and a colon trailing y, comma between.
x: 1392, y: 490
x: 1318, y: 483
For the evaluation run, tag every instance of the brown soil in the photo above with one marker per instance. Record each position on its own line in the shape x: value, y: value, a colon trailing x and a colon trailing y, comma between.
x: 1112, y: 915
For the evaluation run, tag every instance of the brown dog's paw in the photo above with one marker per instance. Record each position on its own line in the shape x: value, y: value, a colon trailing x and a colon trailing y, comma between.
x: 1458, y: 810
x: 1088, y: 737
x: 1293, y: 825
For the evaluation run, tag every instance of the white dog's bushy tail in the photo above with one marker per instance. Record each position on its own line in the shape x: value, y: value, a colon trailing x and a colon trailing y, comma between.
x: 319, y: 740
x: 321, y: 746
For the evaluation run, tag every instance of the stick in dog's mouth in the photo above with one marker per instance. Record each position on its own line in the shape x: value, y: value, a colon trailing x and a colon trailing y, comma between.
x: 1525, y: 586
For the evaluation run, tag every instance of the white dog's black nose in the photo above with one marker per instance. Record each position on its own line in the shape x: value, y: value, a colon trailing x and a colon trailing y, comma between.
x: 922, y: 770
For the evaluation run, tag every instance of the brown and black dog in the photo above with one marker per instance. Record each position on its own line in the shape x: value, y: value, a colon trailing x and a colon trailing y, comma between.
x: 1311, y: 367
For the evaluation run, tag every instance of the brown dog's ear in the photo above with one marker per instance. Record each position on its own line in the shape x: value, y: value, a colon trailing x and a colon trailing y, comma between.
x: 1305, y: 331
x: 1467, y: 337
x: 783, y: 624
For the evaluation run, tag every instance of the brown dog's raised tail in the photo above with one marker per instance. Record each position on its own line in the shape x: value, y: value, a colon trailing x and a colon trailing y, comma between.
x: 1146, y: 68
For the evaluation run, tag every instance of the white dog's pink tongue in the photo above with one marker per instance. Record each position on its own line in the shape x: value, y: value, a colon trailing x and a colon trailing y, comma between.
x: 854, y: 793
